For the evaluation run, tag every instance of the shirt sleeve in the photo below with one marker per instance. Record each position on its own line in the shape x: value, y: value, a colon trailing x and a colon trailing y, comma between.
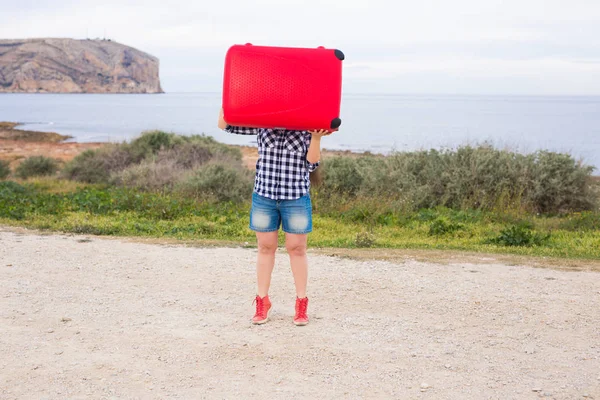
x: 241, y: 130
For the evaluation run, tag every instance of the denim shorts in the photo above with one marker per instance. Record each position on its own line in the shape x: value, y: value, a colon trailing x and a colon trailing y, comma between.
x: 267, y: 214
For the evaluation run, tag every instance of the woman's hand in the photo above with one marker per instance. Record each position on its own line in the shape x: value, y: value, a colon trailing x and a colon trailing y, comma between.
x: 221, y: 124
x: 320, y: 133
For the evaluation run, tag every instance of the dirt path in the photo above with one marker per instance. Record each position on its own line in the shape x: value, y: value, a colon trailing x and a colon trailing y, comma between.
x: 102, y: 318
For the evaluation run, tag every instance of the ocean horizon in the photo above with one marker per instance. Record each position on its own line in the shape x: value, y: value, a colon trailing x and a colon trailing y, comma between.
x: 379, y: 123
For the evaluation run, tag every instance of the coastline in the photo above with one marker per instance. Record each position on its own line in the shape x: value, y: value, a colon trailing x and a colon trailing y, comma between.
x: 17, y: 144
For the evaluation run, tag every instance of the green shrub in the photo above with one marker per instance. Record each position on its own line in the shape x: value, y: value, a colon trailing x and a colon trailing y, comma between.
x: 87, y: 167
x: 560, y: 184
x: 4, y: 169
x: 441, y: 227
x: 114, y: 163
x: 151, y: 142
x: 36, y: 166
x: 480, y: 177
x: 364, y: 239
x: 520, y: 235
x: 14, y: 199
x: 151, y: 176
x: 186, y: 156
x: 220, y: 182
x: 343, y: 175
x: 96, y: 166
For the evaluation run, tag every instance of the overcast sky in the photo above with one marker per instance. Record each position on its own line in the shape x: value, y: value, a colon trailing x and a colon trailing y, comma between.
x: 455, y: 47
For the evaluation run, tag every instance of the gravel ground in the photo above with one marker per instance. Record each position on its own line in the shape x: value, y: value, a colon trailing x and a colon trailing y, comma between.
x: 104, y: 318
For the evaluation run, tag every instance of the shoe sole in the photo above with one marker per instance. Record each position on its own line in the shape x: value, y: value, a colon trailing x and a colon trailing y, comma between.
x: 300, y: 323
x: 264, y: 321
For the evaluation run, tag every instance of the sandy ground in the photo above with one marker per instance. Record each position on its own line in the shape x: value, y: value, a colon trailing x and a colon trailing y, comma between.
x: 91, y: 318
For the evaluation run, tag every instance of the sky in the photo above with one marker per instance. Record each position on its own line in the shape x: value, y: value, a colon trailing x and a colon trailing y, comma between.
x: 520, y: 47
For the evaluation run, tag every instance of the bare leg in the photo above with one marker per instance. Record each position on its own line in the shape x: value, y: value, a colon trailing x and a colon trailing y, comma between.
x: 267, y: 246
x: 296, y: 248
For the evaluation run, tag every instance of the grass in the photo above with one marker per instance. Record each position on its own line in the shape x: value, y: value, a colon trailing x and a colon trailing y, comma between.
x: 58, y: 205
x: 473, y: 199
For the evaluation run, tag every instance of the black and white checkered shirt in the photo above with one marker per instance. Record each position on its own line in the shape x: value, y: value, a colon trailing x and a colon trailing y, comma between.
x: 282, y: 170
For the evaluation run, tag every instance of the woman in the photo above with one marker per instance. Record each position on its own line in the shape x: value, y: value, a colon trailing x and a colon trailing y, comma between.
x: 281, y: 197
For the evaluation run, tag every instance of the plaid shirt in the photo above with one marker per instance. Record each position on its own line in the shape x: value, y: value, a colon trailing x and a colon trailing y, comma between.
x: 282, y: 170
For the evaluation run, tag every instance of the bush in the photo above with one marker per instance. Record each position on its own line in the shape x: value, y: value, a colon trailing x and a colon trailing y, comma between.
x: 186, y: 156
x: 480, y: 177
x: 560, y: 184
x: 150, y: 176
x: 342, y: 175
x: 36, y: 166
x: 4, y: 169
x: 519, y: 235
x: 87, y: 167
x: 364, y: 239
x: 124, y: 162
x: 151, y: 142
x: 441, y: 227
x: 96, y: 166
x: 220, y: 182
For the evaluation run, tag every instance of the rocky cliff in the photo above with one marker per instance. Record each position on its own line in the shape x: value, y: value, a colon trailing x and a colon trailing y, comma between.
x: 75, y: 66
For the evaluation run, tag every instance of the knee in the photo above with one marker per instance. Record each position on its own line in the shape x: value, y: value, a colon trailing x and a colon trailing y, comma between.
x: 296, y: 250
x: 267, y: 248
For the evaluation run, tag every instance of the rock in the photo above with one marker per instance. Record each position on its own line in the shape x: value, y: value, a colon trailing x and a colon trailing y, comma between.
x: 65, y: 319
x: 536, y: 390
x: 50, y: 330
x: 51, y: 65
x: 425, y: 386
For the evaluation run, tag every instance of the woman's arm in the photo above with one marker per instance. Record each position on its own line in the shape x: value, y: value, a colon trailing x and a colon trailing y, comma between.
x: 314, y: 149
x: 238, y: 130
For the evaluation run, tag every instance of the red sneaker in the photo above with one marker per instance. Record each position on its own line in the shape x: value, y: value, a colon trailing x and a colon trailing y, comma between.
x: 263, y: 307
x: 301, y: 318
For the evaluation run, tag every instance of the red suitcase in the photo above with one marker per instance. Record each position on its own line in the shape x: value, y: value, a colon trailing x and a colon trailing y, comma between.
x: 282, y: 87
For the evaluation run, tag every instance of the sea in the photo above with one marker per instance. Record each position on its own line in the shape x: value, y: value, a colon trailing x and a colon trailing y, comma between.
x: 379, y: 123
